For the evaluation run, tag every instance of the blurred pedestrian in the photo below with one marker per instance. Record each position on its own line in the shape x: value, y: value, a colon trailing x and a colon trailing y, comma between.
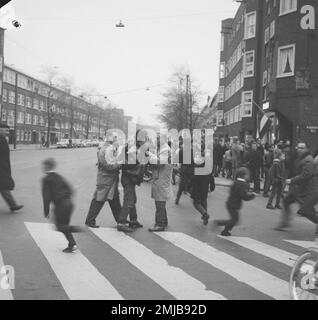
x: 238, y: 194
x: 236, y: 150
x: 277, y: 178
x: 253, y: 163
x: 268, y: 162
x: 6, y: 182
x: 57, y: 191
x: 228, y: 163
x: 217, y: 158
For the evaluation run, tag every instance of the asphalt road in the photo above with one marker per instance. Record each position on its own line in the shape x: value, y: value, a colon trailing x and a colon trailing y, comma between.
x: 188, y: 261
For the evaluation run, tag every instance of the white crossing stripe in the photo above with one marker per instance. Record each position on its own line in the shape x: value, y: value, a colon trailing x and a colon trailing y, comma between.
x: 304, y: 244
x: 265, y: 250
x: 174, y: 280
x: 79, y: 278
x: 5, y: 294
x: 243, y: 272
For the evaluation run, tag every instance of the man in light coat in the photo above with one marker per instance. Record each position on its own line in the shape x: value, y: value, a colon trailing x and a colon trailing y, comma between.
x: 106, y: 185
x: 6, y: 181
x: 161, y: 189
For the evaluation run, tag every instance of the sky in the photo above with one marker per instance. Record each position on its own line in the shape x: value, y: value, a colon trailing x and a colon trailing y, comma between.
x: 80, y: 39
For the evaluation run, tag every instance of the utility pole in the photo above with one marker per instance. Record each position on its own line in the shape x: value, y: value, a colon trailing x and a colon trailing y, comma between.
x: 187, y: 101
x: 190, y: 105
x: 48, y: 117
x: 72, y: 119
x: 15, y: 111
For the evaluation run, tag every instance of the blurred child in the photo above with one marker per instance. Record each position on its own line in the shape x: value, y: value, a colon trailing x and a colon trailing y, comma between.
x: 277, y: 179
x: 238, y: 193
x: 228, y: 163
x: 55, y: 189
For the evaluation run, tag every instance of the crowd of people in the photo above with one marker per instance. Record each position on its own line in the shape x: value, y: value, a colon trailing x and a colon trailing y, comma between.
x: 281, y: 166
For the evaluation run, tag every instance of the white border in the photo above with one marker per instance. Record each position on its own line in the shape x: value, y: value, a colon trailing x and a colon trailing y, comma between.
x: 291, y: 74
x: 286, y: 12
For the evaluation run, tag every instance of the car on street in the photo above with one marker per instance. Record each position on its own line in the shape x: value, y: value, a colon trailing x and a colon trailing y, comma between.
x: 63, y: 143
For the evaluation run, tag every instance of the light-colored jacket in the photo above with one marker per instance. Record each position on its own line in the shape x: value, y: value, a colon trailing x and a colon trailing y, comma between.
x: 161, y: 189
x: 107, y: 177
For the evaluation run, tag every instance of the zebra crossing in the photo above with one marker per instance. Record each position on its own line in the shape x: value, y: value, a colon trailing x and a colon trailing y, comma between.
x: 82, y: 278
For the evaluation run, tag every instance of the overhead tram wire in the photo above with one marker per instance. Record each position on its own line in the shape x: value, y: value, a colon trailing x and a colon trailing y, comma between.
x: 126, y: 19
x: 145, y: 88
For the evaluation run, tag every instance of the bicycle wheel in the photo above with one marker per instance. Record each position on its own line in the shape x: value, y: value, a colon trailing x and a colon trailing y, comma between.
x: 303, y: 284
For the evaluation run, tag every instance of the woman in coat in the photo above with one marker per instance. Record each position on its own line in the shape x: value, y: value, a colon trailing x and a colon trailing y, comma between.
x: 161, y: 189
x: 106, y: 185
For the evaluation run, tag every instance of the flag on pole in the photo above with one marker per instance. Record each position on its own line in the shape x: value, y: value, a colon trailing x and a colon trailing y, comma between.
x: 265, y: 124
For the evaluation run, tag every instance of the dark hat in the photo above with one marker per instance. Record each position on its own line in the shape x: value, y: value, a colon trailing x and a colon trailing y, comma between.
x: 242, y: 172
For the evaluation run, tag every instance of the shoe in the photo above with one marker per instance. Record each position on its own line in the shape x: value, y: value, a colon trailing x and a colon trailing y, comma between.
x: 282, y: 227
x: 205, y: 219
x: 135, y: 225
x: 225, y: 233
x: 266, y: 195
x: 124, y: 228
x: 177, y: 202
x: 91, y: 225
x: 156, y: 229
x: 270, y: 207
x: 16, y: 208
x: 70, y: 249
x: 278, y: 206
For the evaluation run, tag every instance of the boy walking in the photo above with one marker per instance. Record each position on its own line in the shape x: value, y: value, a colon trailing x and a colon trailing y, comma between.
x: 238, y: 193
x: 55, y: 189
x: 277, y: 179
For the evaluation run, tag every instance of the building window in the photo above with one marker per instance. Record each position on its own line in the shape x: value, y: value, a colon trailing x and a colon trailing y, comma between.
x: 286, y: 61
x: 9, y: 76
x: 36, y: 104
x: 265, y: 78
x: 272, y: 29
x: 222, y: 41
x: 266, y: 36
x: 222, y: 70
x: 250, y: 25
x: 247, y: 103
x: 221, y: 94
x: 287, y: 6
x: 20, y: 99
x: 4, y: 115
x: 35, y: 120
x: 10, y: 118
x: 249, y: 64
x: 20, y: 117
x: 5, y: 95
x: 28, y: 101
x: 12, y: 97
x: 28, y: 118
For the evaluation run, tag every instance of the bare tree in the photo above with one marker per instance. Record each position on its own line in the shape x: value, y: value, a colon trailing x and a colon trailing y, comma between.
x: 179, y: 99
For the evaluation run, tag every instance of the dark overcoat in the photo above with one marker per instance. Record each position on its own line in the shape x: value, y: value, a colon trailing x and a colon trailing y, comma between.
x: 6, y: 181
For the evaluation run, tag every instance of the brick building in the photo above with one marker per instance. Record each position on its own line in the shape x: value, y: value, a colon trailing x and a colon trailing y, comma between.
x: 269, y: 66
x: 68, y: 116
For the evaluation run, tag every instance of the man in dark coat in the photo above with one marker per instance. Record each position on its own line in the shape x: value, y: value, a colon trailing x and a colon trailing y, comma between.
x: 303, y: 188
x: 253, y: 163
x: 6, y: 181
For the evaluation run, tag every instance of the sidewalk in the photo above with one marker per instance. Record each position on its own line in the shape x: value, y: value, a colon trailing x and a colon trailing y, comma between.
x: 26, y: 147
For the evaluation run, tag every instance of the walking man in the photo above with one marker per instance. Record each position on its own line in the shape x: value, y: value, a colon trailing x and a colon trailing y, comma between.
x: 303, y: 188
x: 6, y: 181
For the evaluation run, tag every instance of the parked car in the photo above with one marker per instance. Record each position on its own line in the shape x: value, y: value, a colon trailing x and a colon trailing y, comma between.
x: 63, y: 143
x: 76, y: 143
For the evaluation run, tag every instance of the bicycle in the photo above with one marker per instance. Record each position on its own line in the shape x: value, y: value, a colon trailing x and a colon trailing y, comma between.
x: 303, y: 283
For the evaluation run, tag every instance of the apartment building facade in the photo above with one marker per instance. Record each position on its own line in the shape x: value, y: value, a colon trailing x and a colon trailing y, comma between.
x: 269, y: 67
x: 41, y: 108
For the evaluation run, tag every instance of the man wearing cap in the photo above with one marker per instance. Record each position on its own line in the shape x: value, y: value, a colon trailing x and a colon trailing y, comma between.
x: 303, y: 187
x: 6, y: 181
